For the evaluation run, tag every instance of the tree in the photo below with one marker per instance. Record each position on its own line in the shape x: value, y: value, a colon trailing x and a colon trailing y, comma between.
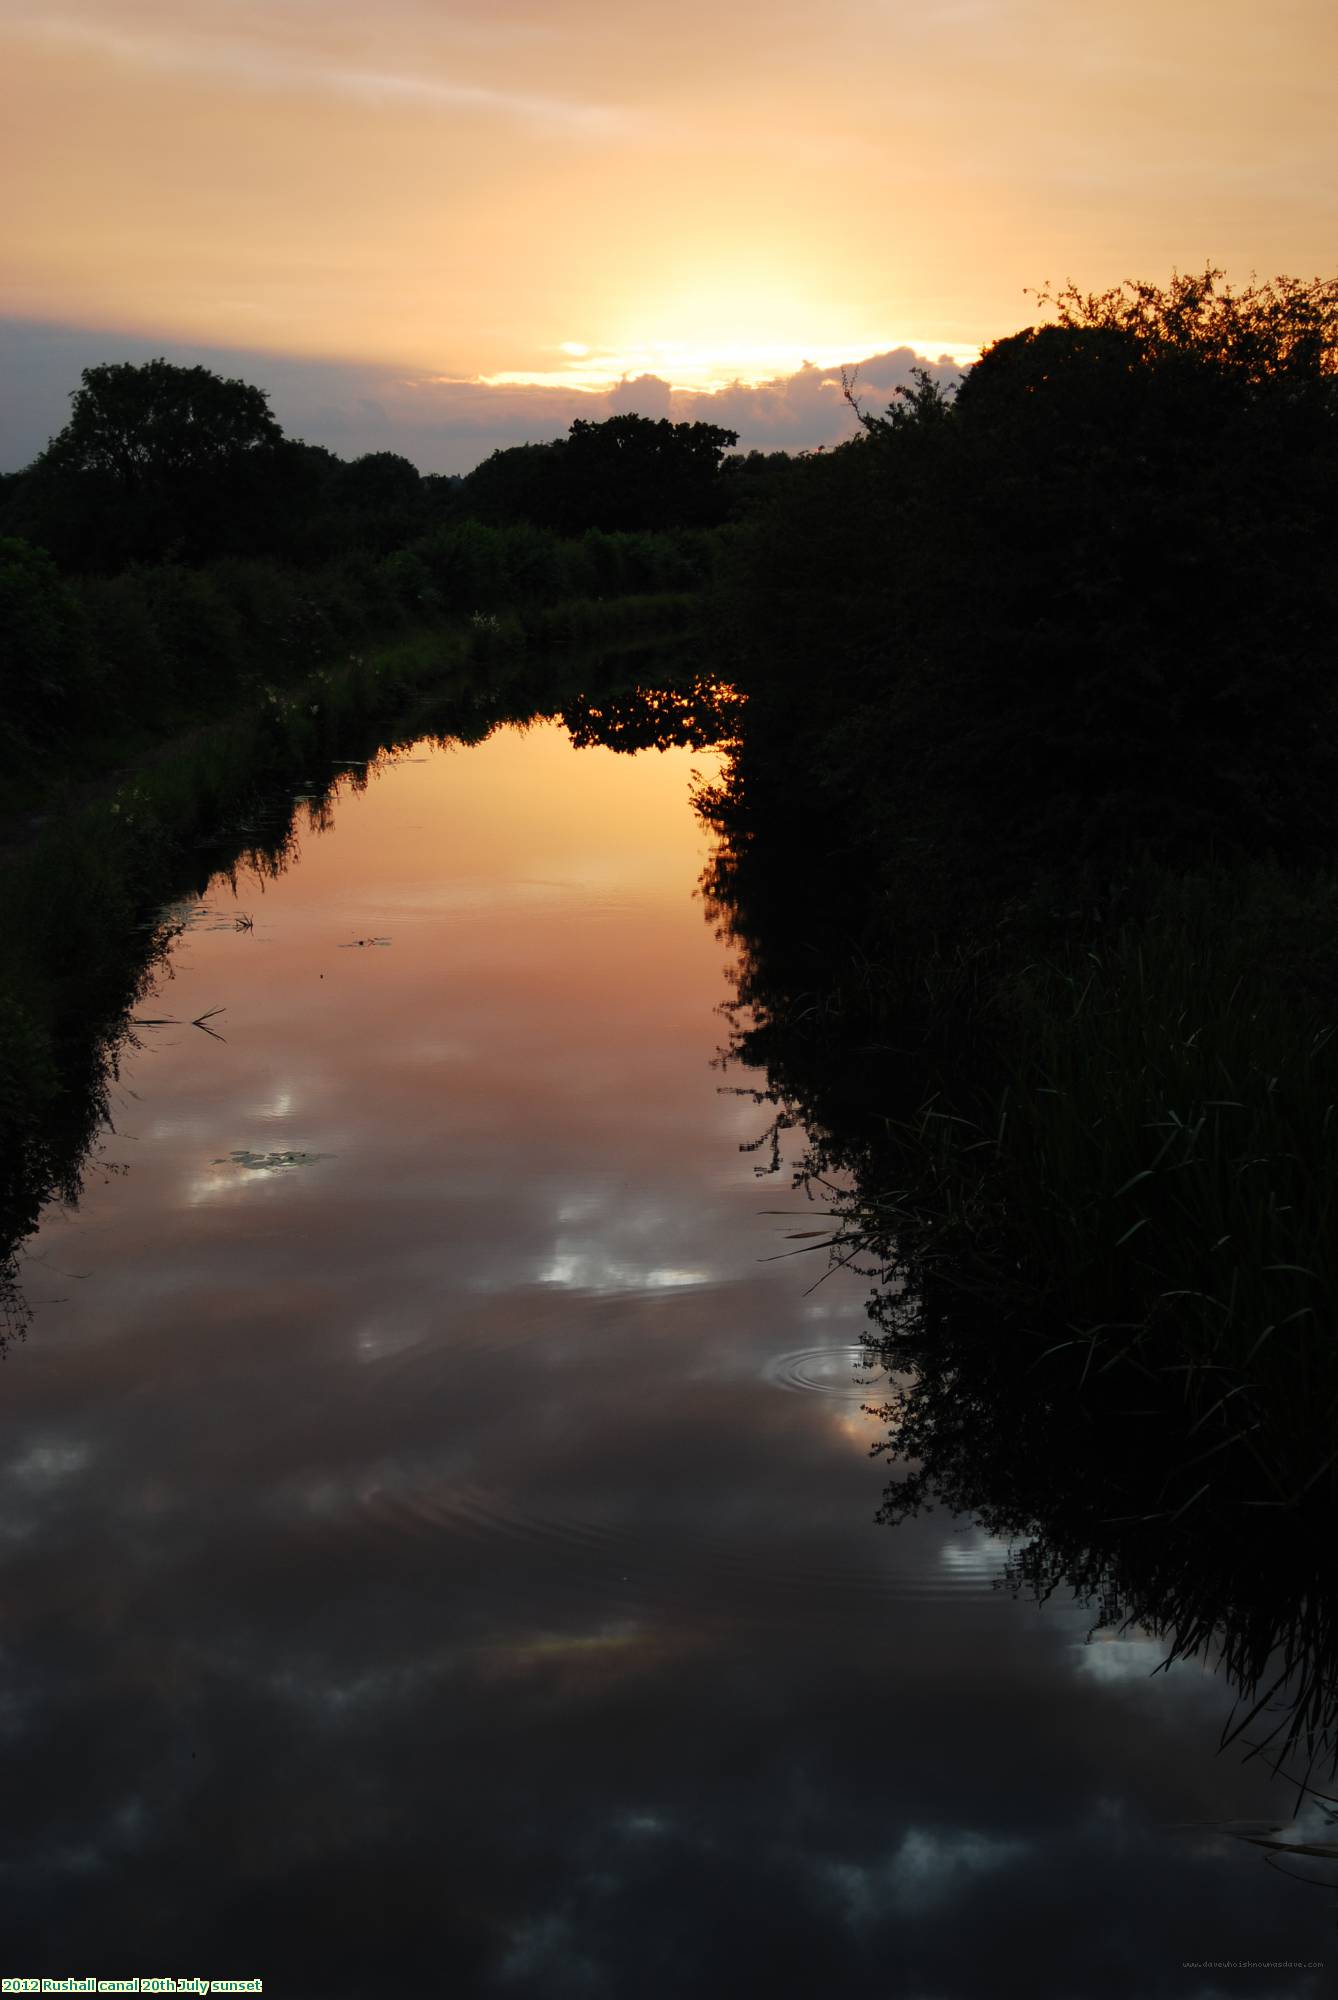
x: 139, y: 425
x: 634, y: 472
x: 379, y: 479
x: 1281, y: 332
x: 1086, y: 606
x: 625, y: 473
x: 518, y: 482
x: 157, y: 462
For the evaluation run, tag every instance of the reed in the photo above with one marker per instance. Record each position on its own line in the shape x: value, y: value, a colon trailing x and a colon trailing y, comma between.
x: 1144, y: 1166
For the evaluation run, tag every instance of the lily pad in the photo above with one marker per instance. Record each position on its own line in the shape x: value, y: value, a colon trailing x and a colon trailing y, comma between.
x: 271, y: 1161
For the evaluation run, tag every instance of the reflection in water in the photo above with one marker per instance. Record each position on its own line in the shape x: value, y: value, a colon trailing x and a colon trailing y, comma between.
x: 437, y: 1519
x: 650, y: 718
x: 1100, y: 1479
x: 98, y: 991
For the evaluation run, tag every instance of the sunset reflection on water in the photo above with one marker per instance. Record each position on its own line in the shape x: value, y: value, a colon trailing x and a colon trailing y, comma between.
x: 454, y: 1548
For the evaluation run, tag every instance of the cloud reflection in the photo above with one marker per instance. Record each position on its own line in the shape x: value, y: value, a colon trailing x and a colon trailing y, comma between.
x: 387, y: 1614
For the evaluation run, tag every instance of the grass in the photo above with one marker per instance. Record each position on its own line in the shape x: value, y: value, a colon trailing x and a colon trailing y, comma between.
x: 1142, y: 1167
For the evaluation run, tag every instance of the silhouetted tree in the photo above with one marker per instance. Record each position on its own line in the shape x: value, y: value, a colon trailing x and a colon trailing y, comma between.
x: 1278, y: 334
x: 515, y: 483
x: 139, y: 424
x: 379, y: 479
x: 1085, y: 606
x: 634, y: 472
x: 752, y: 480
x: 626, y: 473
x: 156, y: 461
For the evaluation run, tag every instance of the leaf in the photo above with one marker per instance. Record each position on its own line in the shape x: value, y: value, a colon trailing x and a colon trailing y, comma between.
x: 270, y: 1162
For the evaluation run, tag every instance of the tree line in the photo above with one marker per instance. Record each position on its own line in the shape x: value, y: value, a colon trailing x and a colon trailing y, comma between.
x: 171, y: 545
x: 160, y: 463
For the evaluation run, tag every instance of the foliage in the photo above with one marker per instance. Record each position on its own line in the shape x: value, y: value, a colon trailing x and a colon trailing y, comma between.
x: 1058, y: 651
x: 625, y: 474
x: 137, y: 424
x: 92, y: 657
x: 515, y: 483
x: 1084, y: 607
x: 633, y: 473
x: 1281, y: 333
x: 379, y: 479
x: 155, y: 459
x: 45, y: 656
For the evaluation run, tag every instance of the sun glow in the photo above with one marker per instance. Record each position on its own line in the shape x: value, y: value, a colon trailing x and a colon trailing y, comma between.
x: 700, y: 367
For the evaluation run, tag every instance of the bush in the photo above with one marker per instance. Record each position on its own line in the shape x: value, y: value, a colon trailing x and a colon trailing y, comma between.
x: 46, y: 655
x: 138, y: 676
x: 155, y: 643
x: 1086, y: 608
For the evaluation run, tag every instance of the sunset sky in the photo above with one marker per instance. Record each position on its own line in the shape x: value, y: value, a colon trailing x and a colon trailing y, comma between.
x: 438, y: 227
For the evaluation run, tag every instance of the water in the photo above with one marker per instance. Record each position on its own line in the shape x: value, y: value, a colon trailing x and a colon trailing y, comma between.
x: 437, y: 1541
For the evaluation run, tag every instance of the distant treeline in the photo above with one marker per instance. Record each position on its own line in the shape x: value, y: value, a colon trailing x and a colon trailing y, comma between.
x: 165, y: 464
x: 171, y: 546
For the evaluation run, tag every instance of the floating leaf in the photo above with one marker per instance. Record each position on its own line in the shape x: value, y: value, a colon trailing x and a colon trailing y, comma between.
x: 270, y: 1161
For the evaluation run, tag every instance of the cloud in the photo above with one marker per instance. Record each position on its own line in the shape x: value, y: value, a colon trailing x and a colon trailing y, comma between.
x: 442, y: 423
x: 253, y: 65
x: 797, y: 412
x: 646, y: 396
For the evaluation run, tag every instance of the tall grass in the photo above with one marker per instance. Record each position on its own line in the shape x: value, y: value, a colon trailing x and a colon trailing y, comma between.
x: 1146, y: 1168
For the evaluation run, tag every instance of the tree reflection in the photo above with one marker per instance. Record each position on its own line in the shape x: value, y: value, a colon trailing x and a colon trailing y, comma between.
x: 701, y: 711
x: 1109, y: 1473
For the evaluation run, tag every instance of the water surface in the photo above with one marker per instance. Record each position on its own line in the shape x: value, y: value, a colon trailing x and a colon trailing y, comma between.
x: 437, y: 1532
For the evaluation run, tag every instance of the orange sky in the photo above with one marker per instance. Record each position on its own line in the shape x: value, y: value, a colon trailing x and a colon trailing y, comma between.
x: 568, y: 192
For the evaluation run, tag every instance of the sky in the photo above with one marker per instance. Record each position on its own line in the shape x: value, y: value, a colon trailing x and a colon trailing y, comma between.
x: 439, y: 227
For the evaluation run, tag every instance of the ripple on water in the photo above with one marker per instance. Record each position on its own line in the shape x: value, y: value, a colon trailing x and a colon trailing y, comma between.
x: 631, y: 1564
x: 634, y: 1556
x: 828, y: 1371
